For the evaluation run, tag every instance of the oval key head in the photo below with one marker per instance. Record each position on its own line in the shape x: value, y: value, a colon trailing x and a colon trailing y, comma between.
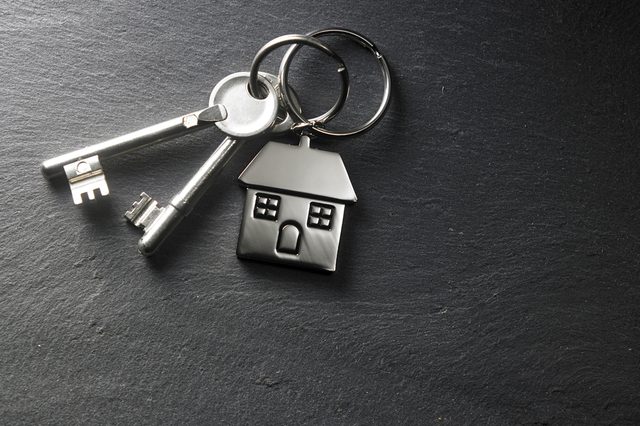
x: 246, y: 116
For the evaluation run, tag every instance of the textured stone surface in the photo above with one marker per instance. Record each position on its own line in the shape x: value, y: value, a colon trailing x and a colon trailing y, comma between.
x: 488, y: 273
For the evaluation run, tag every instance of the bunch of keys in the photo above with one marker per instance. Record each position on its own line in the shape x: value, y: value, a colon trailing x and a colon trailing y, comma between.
x: 296, y: 195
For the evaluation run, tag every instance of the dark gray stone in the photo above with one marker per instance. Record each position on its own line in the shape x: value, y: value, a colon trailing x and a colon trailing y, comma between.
x: 487, y: 275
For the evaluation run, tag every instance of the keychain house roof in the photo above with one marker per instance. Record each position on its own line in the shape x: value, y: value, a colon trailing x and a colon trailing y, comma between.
x: 295, y: 203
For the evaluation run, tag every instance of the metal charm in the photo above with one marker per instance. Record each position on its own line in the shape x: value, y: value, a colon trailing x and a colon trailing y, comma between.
x: 295, y: 204
x: 296, y: 195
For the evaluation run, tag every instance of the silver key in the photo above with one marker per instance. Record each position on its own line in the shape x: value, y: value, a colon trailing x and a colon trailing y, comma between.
x: 83, y: 168
x: 246, y: 117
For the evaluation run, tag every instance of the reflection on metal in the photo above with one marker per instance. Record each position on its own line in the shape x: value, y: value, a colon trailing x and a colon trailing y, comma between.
x: 289, y: 238
x: 312, y: 188
x: 140, y: 138
x: 144, y: 211
x: 85, y: 177
x: 247, y: 117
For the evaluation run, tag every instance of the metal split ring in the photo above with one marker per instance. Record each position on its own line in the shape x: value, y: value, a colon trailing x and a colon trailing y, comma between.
x: 316, y: 126
x: 300, y: 39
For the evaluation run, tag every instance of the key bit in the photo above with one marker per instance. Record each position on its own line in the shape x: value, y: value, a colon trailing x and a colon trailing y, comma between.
x: 144, y: 211
x: 85, y: 177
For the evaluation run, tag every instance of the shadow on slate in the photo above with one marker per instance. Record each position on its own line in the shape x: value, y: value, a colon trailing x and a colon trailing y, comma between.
x: 488, y: 273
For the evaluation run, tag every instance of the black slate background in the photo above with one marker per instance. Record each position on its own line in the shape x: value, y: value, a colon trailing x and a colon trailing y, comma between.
x: 488, y: 273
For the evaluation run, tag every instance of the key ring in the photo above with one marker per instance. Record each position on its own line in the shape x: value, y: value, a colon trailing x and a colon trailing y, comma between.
x: 298, y: 39
x: 312, y: 125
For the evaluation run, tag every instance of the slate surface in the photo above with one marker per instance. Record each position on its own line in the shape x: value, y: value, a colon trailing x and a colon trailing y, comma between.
x: 488, y: 273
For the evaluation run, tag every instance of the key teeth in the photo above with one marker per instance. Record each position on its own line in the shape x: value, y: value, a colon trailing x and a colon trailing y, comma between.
x: 85, y: 176
x: 143, y: 212
x: 77, y: 198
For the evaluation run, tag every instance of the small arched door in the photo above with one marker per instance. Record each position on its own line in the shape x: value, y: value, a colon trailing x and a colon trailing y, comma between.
x: 289, y: 238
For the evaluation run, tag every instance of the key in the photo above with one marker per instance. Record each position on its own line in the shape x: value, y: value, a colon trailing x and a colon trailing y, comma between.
x: 247, y: 117
x: 83, y: 168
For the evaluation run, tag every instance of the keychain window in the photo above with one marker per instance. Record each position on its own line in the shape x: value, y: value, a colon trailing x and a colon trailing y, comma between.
x: 320, y: 216
x: 266, y: 207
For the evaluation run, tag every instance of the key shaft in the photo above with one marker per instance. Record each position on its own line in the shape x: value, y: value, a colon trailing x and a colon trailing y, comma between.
x: 148, y: 136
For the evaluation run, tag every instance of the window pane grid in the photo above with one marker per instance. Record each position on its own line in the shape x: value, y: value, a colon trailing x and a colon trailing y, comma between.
x: 320, y: 216
x: 266, y: 207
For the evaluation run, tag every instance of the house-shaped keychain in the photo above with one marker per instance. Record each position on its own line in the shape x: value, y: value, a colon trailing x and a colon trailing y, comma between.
x: 295, y: 204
